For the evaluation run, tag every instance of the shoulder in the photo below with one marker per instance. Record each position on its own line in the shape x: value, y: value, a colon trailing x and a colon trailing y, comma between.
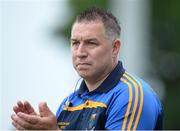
x: 129, y: 91
x: 65, y: 102
x: 130, y: 88
x: 134, y: 102
x: 145, y: 102
x: 137, y: 86
x: 139, y: 90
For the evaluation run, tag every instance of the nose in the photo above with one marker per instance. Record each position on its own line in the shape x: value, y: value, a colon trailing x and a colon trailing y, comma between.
x: 81, y: 51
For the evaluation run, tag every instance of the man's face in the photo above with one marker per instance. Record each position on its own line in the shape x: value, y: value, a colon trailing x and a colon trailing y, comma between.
x: 91, y: 50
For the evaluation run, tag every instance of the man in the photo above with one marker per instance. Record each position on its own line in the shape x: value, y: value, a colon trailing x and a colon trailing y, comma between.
x: 109, y: 97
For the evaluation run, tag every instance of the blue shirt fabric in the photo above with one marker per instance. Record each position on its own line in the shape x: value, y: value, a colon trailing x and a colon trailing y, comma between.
x: 121, y: 102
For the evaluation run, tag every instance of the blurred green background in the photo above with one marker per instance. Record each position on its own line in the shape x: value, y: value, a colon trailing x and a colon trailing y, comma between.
x: 164, y: 44
x: 166, y: 55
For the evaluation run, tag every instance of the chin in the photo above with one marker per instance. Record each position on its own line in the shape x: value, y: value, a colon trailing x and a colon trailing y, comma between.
x: 83, y: 75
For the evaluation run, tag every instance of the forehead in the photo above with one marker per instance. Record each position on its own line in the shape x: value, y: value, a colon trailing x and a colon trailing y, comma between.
x: 87, y: 30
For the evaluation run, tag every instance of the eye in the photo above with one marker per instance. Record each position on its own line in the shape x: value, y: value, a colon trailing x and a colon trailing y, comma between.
x: 92, y: 43
x: 74, y: 43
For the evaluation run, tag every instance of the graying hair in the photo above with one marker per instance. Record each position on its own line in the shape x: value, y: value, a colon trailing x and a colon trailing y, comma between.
x: 110, y: 22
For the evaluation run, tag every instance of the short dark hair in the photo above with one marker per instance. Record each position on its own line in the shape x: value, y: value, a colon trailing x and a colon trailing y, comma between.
x: 110, y: 22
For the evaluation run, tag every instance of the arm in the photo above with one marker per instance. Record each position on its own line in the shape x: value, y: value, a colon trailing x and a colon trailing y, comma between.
x: 116, y: 112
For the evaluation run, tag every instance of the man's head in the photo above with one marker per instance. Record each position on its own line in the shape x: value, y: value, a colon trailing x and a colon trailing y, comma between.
x: 95, y: 43
x: 109, y: 21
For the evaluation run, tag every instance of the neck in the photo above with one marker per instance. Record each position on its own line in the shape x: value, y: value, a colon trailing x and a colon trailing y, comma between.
x: 93, y: 84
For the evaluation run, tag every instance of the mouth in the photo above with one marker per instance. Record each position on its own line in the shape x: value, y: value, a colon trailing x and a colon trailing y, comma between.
x: 82, y: 65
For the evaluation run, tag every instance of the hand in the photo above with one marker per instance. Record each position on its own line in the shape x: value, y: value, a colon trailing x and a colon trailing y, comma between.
x: 44, y: 121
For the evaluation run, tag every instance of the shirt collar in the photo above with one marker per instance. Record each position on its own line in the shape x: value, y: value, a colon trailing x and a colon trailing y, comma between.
x: 110, y: 82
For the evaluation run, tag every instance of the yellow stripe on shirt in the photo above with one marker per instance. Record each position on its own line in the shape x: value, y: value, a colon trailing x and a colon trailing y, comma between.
x: 87, y: 104
x: 129, y: 103
x: 136, y: 100
x: 141, y: 102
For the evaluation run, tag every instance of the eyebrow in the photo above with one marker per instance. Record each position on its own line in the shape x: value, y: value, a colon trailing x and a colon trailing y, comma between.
x: 90, y: 39
x: 73, y: 39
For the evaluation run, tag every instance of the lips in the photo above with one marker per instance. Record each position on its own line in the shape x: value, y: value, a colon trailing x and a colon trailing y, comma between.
x: 82, y: 65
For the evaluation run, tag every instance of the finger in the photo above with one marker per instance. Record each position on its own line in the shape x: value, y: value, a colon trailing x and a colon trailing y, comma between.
x: 13, y: 117
x: 21, y: 107
x: 44, y: 110
x: 16, y: 109
x: 20, y: 104
x: 17, y: 126
x: 29, y: 108
x: 20, y: 123
x: 17, y: 122
x: 32, y: 119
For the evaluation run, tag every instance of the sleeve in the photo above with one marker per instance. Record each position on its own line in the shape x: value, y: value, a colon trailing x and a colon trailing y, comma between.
x: 116, y: 112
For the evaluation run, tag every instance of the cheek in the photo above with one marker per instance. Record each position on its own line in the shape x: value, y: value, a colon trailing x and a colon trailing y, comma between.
x: 73, y: 54
x: 103, y: 54
x: 101, y: 58
x: 73, y: 58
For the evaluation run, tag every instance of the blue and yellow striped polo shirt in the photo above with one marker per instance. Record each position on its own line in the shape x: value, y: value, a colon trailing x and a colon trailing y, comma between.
x: 121, y: 102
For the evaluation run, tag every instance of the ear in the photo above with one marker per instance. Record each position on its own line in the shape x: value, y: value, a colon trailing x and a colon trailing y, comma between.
x: 116, y: 47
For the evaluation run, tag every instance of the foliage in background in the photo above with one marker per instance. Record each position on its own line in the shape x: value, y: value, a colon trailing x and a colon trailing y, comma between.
x: 76, y: 7
x: 166, y: 55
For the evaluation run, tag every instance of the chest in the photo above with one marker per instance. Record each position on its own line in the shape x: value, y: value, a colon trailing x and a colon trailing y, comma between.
x: 83, y: 117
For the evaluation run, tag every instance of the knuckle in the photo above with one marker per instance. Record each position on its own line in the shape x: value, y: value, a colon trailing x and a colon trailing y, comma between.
x: 26, y: 125
x: 17, y: 126
x: 22, y: 123
x: 14, y: 124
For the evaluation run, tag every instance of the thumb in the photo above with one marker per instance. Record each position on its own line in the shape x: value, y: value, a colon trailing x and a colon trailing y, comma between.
x: 44, y: 110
